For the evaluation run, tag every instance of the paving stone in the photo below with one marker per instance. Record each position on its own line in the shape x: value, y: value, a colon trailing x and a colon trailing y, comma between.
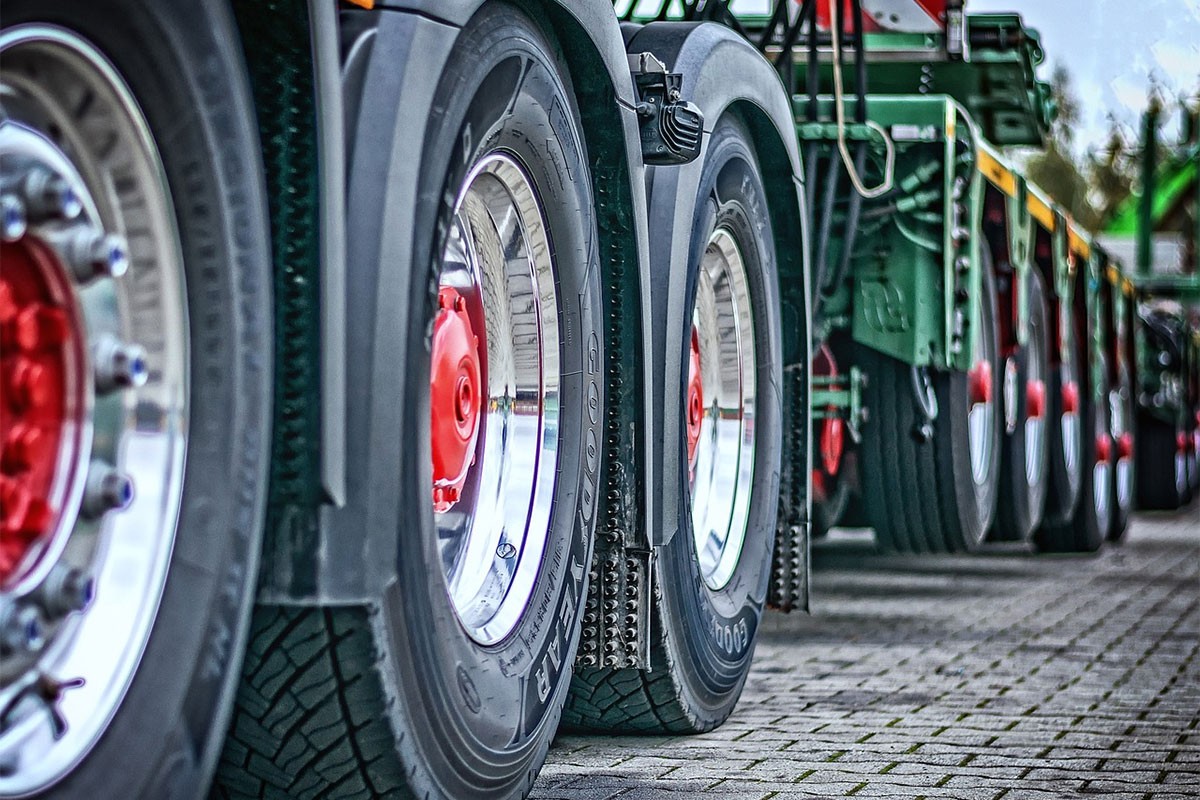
x: 1005, y: 676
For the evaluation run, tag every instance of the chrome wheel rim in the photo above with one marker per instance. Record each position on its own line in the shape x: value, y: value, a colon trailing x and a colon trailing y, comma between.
x: 108, y: 228
x: 721, y: 457
x: 1101, y: 484
x: 1035, y: 409
x: 981, y: 418
x: 1121, y: 432
x: 492, y: 508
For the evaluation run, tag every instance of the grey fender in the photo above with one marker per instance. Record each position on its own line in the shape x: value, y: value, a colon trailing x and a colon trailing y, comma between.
x: 722, y: 73
x: 392, y: 59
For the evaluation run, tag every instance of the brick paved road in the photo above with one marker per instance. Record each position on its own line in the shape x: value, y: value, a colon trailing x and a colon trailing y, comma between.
x: 1000, y: 675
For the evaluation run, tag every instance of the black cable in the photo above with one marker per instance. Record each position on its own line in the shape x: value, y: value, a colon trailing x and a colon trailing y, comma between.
x: 860, y: 64
x: 813, y: 77
x: 850, y: 235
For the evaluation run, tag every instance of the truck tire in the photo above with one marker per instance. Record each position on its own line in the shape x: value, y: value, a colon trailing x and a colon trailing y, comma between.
x: 152, y: 386
x: 828, y: 511
x: 712, y: 575
x: 1124, y: 465
x: 1064, y: 432
x: 450, y: 682
x: 1161, y: 471
x: 833, y: 460
x: 1192, y: 453
x: 934, y: 493
x: 1086, y: 531
x: 1024, y: 459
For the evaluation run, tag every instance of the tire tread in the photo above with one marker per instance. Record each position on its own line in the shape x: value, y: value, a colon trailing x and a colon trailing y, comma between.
x: 311, y: 713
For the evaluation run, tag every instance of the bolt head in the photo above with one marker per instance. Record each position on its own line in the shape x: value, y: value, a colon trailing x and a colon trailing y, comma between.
x: 49, y: 196
x: 118, y: 365
x: 117, y: 490
x: 65, y: 590
x: 129, y: 366
x: 106, y: 490
x: 92, y: 254
x: 12, y: 218
x: 21, y: 630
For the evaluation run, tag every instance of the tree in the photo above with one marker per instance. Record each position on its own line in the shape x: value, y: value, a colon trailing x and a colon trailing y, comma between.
x: 1056, y: 169
x: 1112, y: 172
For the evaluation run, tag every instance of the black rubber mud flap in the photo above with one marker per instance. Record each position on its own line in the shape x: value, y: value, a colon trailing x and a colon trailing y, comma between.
x: 183, y: 66
x: 392, y: 697
x: 920, y: 492
x: 703, y: 635
x: 1024, y: 458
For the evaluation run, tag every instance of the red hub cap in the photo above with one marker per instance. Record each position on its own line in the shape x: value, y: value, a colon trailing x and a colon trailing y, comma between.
x: 1103, y: 448
x: 455, y: 391
x: 1125, y: 446
x: 695, y: 400
x: 1070, y: 398
x: 39, y: 354
x: 831, y: 438
x: 979, y: 382
x: 1035, y: 399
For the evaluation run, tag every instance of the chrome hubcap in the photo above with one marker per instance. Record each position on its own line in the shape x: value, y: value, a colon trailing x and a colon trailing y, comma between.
x: 100, y: 380
x: 1101, y: 484
x: 1122, y: 437
x: 494, y: 490
x: 722, y: 457
x: 1069, y: 425
x: 981, y: 419
x: 1035, y: 410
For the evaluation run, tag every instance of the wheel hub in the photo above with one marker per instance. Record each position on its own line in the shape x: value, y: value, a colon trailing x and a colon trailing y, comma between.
x: 85, y: 415
x: 454, y: 397
x: 1125, y: 446
x: 979, y: 382
x: 831, y: 442
x: 1070, y: 398
x: 495, y: 398
x: 721, y: 479
x: 1035, y: 399
x: 1011, y: 374
x: 42, y: 357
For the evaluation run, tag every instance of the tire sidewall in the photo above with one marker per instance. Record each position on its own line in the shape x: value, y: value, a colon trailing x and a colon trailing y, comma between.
x: 457, y: 695
x: 975, y: 504
x: 182, y: 64
x: 718, y: 627
x: 1039, y: 331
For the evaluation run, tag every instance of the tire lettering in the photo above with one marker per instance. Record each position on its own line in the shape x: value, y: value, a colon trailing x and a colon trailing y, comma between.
x: 469, y: 693
x: 552, y: 660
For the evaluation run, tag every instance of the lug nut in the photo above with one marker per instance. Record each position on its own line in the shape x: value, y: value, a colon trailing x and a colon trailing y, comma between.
x: 106, y: 490
x: 49, y: 196
x: 92, y: 253
x: 12, y: 217
x: 21, y: 629
x: 118, y: 365
x: 65, y: 589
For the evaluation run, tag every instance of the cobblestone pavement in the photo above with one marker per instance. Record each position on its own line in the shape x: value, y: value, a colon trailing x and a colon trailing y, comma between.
x: 1001, y: 675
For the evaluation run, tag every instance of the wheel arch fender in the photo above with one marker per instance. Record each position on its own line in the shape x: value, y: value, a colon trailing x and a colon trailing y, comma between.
x: 722, y: 74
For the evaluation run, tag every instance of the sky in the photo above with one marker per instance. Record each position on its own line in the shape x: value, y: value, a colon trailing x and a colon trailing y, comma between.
x: 1112, y: 47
